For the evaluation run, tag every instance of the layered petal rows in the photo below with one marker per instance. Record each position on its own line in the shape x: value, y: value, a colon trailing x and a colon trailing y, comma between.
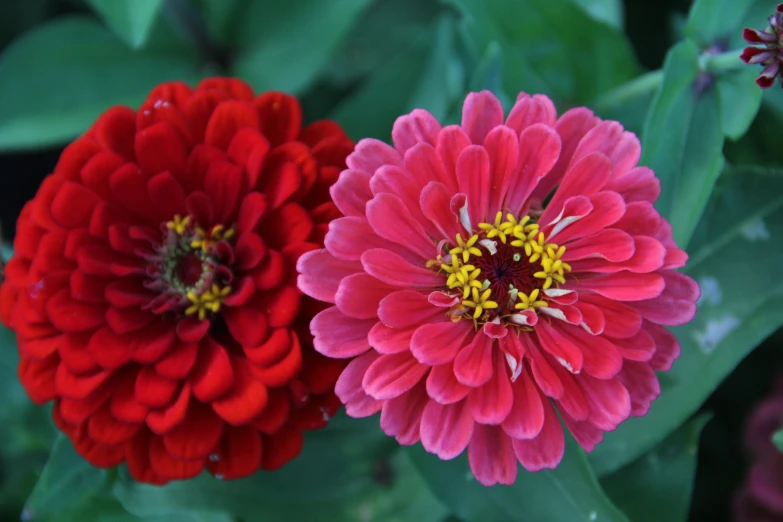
x: 490, y: 276
x: 153, y: 284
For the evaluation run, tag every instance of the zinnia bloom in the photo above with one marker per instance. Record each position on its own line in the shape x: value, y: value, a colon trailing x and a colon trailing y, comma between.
x: 481, y: 270
x: 153, y: 284
x: 770, y: 55
x: 761, y: 499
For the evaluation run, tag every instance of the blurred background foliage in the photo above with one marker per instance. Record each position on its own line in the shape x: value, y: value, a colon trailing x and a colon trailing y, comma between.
x: 668, y: 70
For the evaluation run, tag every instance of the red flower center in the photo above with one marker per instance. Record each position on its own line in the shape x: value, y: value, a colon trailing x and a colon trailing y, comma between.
x: 507, y: 268
x: 189, y: 269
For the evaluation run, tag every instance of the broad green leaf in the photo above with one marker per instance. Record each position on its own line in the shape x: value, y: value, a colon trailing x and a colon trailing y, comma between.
x: 569, y: 492
x: 712, y: 21
x: 607, y: 11
x: 739, y: 98
x: 131, y: 20
x: 777, y: 440
x: 734, y: 258
x: 331, y: 481
x: 549, y: 47
x: 489, y: 74
x: 98, y: 509
x: 683, y: 141
x: 59, y: 77
x: 384, y: 30
x: 18, y: 16
x: 285, y: 45
x: 418, y: 78
x: 66, y: 480
x: 658, y: 485
x: 629, y: 103
x: 220, y: 18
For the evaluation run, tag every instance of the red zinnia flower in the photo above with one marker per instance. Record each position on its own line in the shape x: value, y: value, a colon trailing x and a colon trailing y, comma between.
x: 771, y: 54
x: 153, y: 285
x: 482, y: 269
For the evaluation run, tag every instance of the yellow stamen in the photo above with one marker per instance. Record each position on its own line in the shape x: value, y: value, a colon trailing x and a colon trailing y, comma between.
x: 179, y: 224
x: 208, y: 301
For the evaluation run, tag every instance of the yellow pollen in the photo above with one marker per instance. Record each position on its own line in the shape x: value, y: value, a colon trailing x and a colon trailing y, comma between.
x: 204, y: 240
x: 179, y: 224
x: 528, y: 302
x: 481, y: 301
x: 208, y: 301
x: 466, y: 247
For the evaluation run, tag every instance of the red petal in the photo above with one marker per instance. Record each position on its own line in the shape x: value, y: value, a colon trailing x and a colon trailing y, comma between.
x: 280, y: 117
x: 163, y: 421
x: 177, y: 363
x: 69, y: 315
x: 197, y: 435
x: 246, y: 399
x: 105, y: 430
x: 108, y: 349
x: 167, y: 466
x: 238, y: 455
x: 473, y: 364
x: 546, y: 450
x: 527, y: 416
x: 212, y: 375
x: 392, y: 375
x: 228, y: 118
x: 282, y: 371
x: 152, y: 390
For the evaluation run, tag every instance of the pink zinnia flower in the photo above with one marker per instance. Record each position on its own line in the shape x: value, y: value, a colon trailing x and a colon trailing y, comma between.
x: 487, y: 273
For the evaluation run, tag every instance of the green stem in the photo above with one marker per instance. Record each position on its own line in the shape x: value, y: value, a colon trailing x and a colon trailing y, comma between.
x: 648, y: 83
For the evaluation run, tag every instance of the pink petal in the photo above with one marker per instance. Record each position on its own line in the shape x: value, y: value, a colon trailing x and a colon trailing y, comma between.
x: 667, y: 347
x: 401, y: 417
x: 436, y: 206
x: 571, y: 127
x: 622, y: 321
x: 648, y: 256
x: 677, y: 303
x: 351, y: 192
x: 609, y: 400
x: 529, y: 110
x: 392, y: 220
x: 539, y: 149
x: 502, y: 145
x: 640, y: 347
x: 434, y: 344
x: 425, y: 165
x: 443, y: 386
x: 584, y: 178
x: 320, y: 274
x: 392, y: 375
x: 350, y: 237
x: 527, y: 416
x: 350, y: 391
x: 473, y: 364
x: 370, y: 154
x: 602, y: 359
x: 593, y: 320
x: 491, y: 456
x: 407, y: 308
x: 473, y: 180
x: 417, y: 127
x: 446, y: 429
x: 546, y: 450
x: 492, y: 402
x: 339, y: 336
x: 451, y: 141
x: 567, y: 353
x: 585, y: 434
x: 407, y: 187
x: 640, y: 219
x: 543, y: 372
x: 638, y: 184
x: 386, y: 340
x: 642, y: 385
x: 607, y: 209
x: 574, y: 209
x: 574, y: 402
x: 609, y: 138
x: 359, y: 294
x: 481, y: 113
x: 393, y: 269
x: 622, y: 286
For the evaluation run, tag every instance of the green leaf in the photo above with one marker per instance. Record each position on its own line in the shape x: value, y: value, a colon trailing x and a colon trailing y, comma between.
x: 549, y: 47
x: 777, y: 440
x: 569, y: 492
x: 607, y: 11
x: 131, y: 20
x: 734, y: 259
x: 629, y: 103
x: 489, y: 74
x: 66, y: 480
x: 59, y: 77
x: 98, y: 509
x: 285, y: 45
x: 418, y: 78
x: 711, y: 21
x: 740, y: 99
x: 658, y: 485
x: 16, y: 17
x: 683, y: 141
x: 384, y: 31
x: 332, y: 480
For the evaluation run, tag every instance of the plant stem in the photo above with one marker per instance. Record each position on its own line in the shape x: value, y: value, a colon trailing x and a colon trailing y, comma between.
x: 648, y: 83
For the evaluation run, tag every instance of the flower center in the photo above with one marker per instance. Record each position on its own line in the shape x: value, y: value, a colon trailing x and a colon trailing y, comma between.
x: 501, y: 270
x: 190, y: 271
